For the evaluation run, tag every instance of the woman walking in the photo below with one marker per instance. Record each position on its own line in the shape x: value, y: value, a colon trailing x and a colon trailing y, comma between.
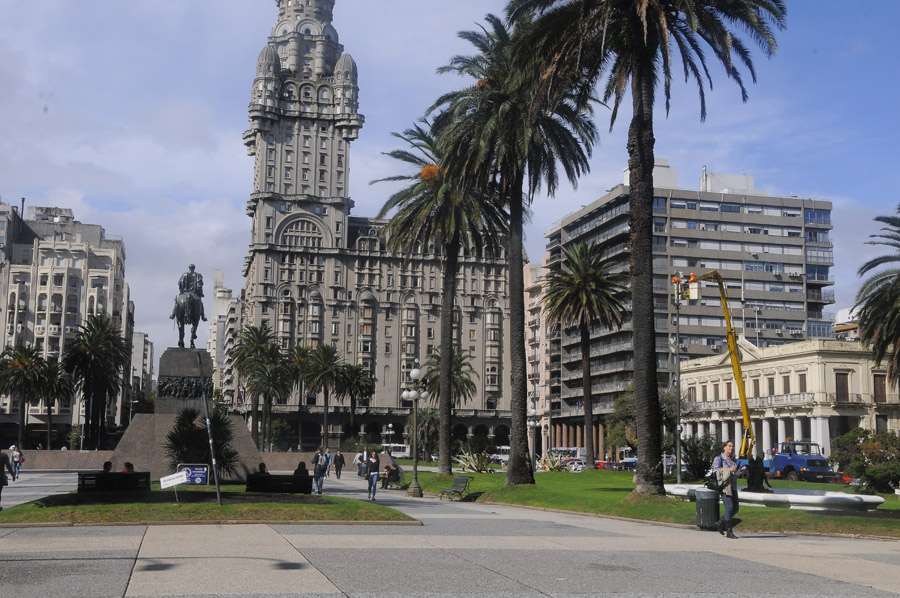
x: 726, y: 468
x: 372, y: 465
x: 338, y: 463
x: 17, y: 459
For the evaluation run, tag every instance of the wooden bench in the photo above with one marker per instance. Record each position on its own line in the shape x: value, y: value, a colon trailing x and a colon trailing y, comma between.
x: 114, y: 481
x: 460, y: 487
x: 288, y: 484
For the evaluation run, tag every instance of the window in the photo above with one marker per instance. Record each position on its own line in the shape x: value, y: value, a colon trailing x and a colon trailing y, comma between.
x: 786, y: 385
x: 842, y: 386
x: 878, y: 388
x: 756, y: 387
x: 771, y: 384
x: 801, y: 382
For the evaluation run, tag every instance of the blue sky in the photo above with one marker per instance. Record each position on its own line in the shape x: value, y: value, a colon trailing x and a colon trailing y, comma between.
x: 131, y: 113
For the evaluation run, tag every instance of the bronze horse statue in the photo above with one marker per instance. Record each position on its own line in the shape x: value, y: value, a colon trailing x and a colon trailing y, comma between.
x: 187, y: 311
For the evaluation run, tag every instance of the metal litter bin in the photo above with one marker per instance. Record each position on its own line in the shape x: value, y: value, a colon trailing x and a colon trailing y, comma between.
x: 707, y: 508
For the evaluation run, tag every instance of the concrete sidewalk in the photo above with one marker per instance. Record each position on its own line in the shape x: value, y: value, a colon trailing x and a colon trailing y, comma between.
x: 462, y: 549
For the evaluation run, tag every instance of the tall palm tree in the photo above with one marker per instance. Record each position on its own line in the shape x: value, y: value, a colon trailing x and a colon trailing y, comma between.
x: 325, y: 375
x: 95, y: 360
x: 356, y: 383
x: 22, y: 376
x: 632, y: 43
x: 254, y: 343
x: 270, y: 379
x: 298, y: 358
x: 462, y: 376
x: 431, y: 210
x: 878, y: 299
x: 584, y: 289
x: 55, y: 385
x: 499, y: 132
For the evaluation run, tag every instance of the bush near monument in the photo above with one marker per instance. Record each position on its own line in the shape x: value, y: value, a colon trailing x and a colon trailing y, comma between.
x: 188, y: 441
x: 872, y: 458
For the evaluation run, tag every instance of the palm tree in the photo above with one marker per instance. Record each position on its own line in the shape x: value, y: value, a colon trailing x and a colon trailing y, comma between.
x: 270, y: 379
x: 582, y: 290
x: 429, y: 424
x: 55, y: 384
x: 579, y: 40
x: 22, y: 375
x: 95, y: 361
x: 462, y: 377
x: 298, y: 358
x: 325, y: 375
x: 878, y: 300
x: 253, y: 345
x: 499, y: 132
x: 356, y: 383
x: 431, y: 210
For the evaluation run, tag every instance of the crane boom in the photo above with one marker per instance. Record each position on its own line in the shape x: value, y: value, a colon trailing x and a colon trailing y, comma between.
x: 748, y: 439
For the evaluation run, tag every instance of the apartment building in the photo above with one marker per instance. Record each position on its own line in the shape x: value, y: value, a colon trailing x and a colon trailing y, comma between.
x: 317, y: 274
x: 59, y: 271
x: 774, y: 253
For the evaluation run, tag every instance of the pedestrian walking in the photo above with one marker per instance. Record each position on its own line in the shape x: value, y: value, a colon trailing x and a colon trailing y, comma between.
x: 330, y: 458
x: 372, y: 465
x: 320, y: 466
x: 17, y: 459
x: 338, y: 463
x: 358, y: 461
x: 5, y: 466
x: 726, y: 468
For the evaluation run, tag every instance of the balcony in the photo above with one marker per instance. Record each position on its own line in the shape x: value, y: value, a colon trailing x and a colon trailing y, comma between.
x: 822, y: 296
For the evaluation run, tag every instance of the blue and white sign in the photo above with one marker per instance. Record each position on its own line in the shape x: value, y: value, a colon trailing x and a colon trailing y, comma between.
x: 196, y: 474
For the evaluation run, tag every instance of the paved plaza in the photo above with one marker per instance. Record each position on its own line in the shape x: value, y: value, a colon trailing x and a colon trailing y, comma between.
x: 462, y: 549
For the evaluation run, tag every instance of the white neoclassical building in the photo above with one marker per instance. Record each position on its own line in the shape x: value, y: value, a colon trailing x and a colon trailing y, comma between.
x: 813, y: 390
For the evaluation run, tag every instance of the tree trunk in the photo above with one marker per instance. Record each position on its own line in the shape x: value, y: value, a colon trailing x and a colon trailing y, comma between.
x: 520, y: 469
x: 586, y: 393
x: 445, y: 403
x: 325, y: 419
x: 649, y: 474
x: 267, y: 406
x: 20, y: 442
x: 254, y: 418
x: 49, y: 421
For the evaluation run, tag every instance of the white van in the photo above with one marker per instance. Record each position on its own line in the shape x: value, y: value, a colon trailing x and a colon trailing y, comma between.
x: 398, y: 451
x: 501, y: 456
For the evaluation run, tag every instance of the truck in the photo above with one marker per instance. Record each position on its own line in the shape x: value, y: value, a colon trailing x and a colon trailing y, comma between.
x: 801, y: 461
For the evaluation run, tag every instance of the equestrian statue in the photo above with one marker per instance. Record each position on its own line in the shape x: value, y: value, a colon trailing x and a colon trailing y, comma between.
x: 189, y: 304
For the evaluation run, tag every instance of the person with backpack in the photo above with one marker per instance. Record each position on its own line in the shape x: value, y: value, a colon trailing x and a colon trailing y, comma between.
x: 17, y: 458
x: 725, y: 467
x: 320, y: 467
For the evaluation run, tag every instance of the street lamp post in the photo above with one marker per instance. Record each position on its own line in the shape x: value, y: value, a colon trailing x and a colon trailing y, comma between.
x: 414, y: 392
x: 534, y: 423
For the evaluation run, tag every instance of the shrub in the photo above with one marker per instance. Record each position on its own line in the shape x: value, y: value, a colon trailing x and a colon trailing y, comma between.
x: 188, y: 441
x: 873, y: 458
x: 698, y: 454
x: 477, y: 462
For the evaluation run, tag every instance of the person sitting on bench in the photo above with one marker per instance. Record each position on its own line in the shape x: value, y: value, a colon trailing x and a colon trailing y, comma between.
x: 391, y: 475
x: 301, y: 469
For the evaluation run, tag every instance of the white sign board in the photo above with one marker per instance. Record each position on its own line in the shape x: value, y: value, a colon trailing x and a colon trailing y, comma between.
x: 174, y: 479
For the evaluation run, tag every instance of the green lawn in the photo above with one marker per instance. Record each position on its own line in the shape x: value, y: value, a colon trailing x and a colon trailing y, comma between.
x: 610, y: 493
x: 195, y: 503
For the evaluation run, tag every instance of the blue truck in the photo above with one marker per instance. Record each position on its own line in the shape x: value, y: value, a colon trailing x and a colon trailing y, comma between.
x: 801, y: 461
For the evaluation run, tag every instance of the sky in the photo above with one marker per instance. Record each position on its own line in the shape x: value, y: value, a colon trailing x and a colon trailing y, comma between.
x: 131, y: 114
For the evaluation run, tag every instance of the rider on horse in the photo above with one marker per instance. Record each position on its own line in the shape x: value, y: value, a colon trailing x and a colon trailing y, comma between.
x: 190, y: 282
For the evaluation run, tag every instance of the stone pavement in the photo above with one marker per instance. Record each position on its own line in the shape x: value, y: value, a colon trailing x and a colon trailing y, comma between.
x: 462, y: 549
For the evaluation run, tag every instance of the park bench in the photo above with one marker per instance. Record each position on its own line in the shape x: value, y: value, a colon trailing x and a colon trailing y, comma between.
x: 394, y: 478
x: 114, y: 481
x: 289, y: 484
x: 460, y: 487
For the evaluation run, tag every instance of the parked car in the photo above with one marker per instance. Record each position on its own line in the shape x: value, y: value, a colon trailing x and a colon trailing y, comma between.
x: 576, y: 464
x: 604, y: 465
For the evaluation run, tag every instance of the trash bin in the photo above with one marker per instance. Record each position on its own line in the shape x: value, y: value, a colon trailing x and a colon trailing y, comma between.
x: 707, y: 508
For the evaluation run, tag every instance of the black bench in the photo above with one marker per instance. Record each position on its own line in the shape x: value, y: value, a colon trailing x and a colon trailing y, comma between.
x: 394, y: 478
x: 114, y: 481
x: 460, y: 487
x: 289, y: 484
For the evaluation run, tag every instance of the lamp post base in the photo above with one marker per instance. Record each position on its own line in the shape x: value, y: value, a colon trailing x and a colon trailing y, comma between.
x: 414, y: 489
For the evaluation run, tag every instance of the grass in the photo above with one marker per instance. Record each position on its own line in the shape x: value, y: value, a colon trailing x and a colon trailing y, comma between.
x: 610, y: 493
x: 195, y: 504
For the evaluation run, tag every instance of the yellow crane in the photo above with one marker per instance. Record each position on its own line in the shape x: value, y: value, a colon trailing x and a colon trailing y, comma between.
x: 693, y: 292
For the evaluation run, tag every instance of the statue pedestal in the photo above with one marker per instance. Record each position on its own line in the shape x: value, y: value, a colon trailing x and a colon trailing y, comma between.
x: 181, y: 385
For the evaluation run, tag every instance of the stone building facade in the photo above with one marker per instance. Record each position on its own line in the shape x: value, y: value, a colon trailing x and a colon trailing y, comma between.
x: 59, y: 271
x: 317, y: 274
x: 812, y: 390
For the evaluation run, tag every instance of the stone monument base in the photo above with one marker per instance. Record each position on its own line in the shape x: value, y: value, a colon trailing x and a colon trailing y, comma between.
x: 144, y: 445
